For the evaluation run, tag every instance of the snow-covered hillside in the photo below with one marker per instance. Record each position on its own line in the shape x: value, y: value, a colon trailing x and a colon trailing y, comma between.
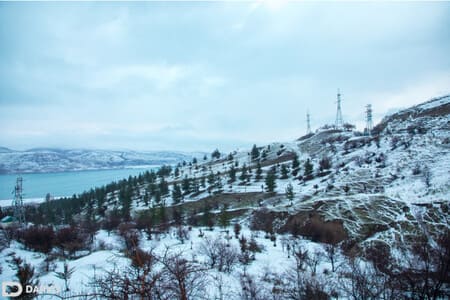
x: 332, y: 215
x: 57, y: 160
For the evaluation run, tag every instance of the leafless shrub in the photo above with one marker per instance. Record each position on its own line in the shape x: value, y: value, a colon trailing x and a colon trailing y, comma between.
x: 182, y: 279
x: 130, y: 235
x: 9, y: 233
x: 219, y: 254
x: 70, y: 240
x: 313, y: 261
x: 365, y: 282
x: 250, y: 289
x: 143, y: 279
x: 38, y: 238
x: 182, y: 233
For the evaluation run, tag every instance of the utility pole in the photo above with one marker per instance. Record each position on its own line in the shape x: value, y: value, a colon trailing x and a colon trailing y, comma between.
x: 308, y: 123
x: 369, y: 124
x: 339, y: 121
x: 18, y: 202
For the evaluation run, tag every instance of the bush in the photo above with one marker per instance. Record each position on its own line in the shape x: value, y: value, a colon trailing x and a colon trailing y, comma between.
x: 38, y: 238
x: 130, y: 236
x: 70, y: 240
x: 325, y: 163
x: 219, y: 254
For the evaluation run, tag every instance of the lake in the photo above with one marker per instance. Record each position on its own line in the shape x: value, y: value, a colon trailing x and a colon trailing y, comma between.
x: 61, y: 184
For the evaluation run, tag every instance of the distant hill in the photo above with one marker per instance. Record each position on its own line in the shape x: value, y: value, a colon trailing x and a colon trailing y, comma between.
x: 43, y: 160
x: 4, y: 150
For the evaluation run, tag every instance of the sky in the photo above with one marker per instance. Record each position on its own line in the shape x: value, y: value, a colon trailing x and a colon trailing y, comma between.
x: 193, y: 76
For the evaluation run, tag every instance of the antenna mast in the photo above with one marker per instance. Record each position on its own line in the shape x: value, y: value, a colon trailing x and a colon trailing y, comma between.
x: 18, y: 201
x: 369, y: 124
x: 339, y: 122
x: 308, y: 123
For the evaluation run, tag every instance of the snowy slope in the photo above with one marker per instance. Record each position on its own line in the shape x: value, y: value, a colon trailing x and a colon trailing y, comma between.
x: 386, y: 188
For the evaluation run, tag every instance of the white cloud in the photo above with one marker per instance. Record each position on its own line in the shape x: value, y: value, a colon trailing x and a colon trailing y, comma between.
x: 161, y: 75
x: 413, y: 93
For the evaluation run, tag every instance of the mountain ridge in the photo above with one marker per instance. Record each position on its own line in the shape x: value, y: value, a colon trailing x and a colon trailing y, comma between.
x: 44, y: 160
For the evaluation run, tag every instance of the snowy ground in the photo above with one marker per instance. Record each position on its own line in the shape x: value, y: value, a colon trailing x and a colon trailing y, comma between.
x: 107, y: 255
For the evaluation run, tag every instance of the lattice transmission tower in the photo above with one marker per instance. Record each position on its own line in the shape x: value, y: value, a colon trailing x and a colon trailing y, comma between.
x: 308, y: 123
x: 339, y: 121
x: 369, y: 123
x: 17, y: 204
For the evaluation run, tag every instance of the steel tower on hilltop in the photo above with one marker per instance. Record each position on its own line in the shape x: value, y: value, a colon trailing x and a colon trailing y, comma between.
x: 339, y: 121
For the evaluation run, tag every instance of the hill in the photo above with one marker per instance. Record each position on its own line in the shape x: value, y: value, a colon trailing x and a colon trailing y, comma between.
x: 43, y: 160
x: 333, y: 214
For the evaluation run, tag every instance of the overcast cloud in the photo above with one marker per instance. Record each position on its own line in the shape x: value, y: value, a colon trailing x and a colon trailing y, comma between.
x: 200, y: 75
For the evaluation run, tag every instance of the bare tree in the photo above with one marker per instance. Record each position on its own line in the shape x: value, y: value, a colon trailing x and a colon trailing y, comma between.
x: 330, y: 250
x: 427, y: 276
x: 220, y: 255
x: 250, y: 289
x: 362, y: 280
x: 142, y: 279
x: 181, y: 278
x: 313, y: 260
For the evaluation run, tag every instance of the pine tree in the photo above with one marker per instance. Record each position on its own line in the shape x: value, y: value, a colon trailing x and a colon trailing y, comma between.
x: 176, y: 194
x: 308, y: 168
x: 162, y: 215
x: 295, y: 165
x: 255, y: 153
x: 284, y: 172
x: 186, y: 185
x: 258, y: 175
x: 207, y: 219
x: 232, y: 174
x: 157, y: 197
x: 146, y: 198
x: 271, y: 180
x: 195, y: 186
x: 224, y: 219
x: 290, y: 192
x: 264, y: 155
x: 216, y: 154
x: 211, y: 179
x: 244, y: 176
x: 295, y: 162
x: 203, y: 182
x: 218, y: 183
x: 125, y: 195
x: 163, y: 187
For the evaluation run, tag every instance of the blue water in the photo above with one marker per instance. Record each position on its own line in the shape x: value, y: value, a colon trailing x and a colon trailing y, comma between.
x: 37, y: 185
